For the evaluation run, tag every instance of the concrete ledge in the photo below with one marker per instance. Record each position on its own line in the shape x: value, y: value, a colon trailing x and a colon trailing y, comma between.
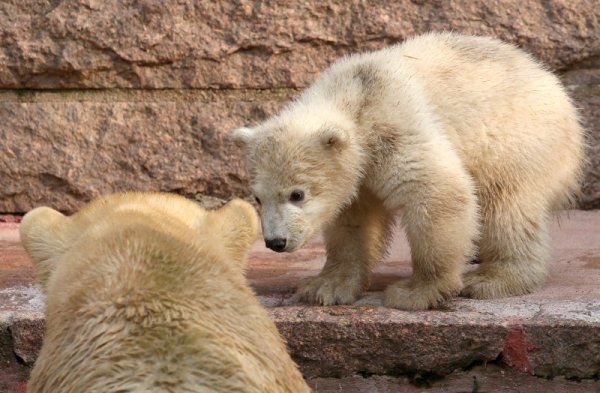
x: 343, y: 341
x: 553, y: 332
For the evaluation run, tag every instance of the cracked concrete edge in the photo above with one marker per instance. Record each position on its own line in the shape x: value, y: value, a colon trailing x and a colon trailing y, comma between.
x: 22, y: 324
x: 335, y: 341
x: 481, y: 378
x: 27, y: 331
x: 14, y: 370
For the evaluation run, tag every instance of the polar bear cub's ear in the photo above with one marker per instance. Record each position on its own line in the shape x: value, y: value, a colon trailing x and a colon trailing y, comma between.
x: 242, y: 136
x: 334, y: 137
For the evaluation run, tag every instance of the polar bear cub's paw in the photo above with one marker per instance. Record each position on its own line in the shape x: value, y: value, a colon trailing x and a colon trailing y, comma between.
x: 411, y: 295
x: 496, y: 282
x: 329, y: 289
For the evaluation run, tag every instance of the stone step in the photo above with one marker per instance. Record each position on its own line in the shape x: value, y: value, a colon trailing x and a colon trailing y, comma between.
x: 554, y: 332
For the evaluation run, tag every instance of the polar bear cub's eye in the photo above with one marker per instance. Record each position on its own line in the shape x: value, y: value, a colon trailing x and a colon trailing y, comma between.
x: 297, y: 196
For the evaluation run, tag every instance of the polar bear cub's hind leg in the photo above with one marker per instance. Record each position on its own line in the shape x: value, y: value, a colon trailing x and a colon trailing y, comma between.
x: 514, y: 249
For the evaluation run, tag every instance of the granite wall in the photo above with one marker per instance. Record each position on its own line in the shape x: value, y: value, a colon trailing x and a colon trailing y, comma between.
x: 98, y: 96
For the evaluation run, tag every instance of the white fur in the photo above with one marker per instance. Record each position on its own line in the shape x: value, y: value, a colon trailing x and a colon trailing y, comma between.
x: 242, y: 135
x: 470, y: 136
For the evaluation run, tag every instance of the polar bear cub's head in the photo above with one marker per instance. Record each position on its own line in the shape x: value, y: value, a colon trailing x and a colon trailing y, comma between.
x: 305, y: 166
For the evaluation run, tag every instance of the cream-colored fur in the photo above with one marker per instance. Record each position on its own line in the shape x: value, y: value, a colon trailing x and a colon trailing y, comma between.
x: 471, y: 137
x: 146, y: 293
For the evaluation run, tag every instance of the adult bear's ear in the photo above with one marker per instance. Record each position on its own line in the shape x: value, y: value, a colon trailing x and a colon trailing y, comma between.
x: 242, y: 136
x: 42, y: 233
x: 334, y: 138
x: 235, y: 226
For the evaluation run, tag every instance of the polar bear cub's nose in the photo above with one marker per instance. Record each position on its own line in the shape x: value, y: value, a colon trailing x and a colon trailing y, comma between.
x: 276, y: 244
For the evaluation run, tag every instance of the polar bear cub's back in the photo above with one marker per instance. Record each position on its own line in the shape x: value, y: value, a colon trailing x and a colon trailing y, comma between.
x: 502, y: 111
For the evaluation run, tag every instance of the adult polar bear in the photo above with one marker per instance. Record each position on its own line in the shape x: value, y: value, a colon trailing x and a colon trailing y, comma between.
x: 146, y: 293
x: 471, y: 137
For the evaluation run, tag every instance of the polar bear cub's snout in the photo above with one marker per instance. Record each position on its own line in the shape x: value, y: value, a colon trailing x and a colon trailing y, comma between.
x: 276, y: 244
x: 284, y: 224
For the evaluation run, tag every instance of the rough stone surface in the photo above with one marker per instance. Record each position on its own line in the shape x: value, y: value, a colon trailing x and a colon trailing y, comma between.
x: 10, y: 218
x: 8, y: 360
x: 341, y: 341
x: 65, y: 153
x: 64, y: 149
x: 587, y: 97
x: 234, y: 44
x: 576, y: 348
x: 485, y: 378
x: 12, y: 377
x: 27, y: 332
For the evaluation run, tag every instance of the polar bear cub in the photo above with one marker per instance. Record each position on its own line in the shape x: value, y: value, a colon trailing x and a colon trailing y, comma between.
x: 471, y: 137
x: 146, y: 293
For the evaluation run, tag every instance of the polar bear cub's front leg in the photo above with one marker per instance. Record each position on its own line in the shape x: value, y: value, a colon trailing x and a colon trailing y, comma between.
x: 440, y: 215
x: 355, y: 242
